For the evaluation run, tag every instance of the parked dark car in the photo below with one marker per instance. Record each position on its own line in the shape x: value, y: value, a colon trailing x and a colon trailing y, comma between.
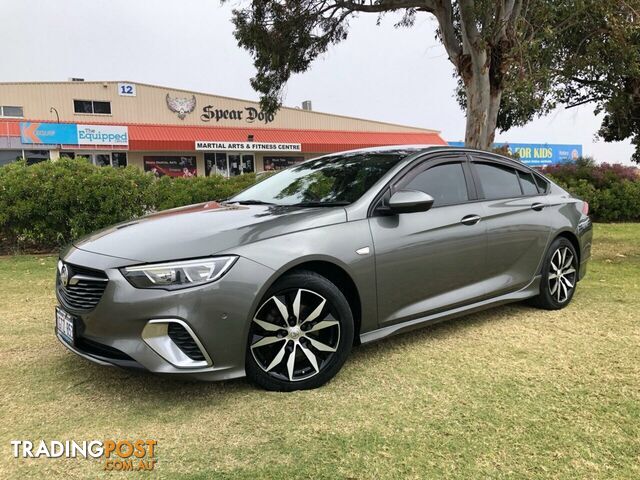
x: 280, y: 281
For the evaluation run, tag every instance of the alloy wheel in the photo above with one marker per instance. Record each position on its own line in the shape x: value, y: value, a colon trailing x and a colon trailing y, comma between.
x: 294, y: 334
x: 562, y: 274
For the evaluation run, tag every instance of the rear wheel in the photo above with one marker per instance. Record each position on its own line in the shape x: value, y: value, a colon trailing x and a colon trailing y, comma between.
x: 301, y: 334
x: 559, y: 276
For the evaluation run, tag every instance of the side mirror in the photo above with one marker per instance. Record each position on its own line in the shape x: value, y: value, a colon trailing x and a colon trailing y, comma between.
x: 410, y: 201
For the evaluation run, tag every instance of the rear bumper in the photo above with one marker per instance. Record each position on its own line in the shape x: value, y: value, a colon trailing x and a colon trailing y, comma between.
x: 585, y: 238
x: 218, y: 314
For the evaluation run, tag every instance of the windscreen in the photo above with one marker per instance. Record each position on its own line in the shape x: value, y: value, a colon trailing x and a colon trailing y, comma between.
x: 327, y: 181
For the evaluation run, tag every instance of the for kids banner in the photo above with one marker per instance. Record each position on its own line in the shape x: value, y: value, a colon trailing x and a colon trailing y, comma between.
x: 539, y: 154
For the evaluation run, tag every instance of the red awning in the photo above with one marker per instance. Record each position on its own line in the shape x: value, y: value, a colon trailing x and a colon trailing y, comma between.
x: 10, y: 128
x: 181, y: 138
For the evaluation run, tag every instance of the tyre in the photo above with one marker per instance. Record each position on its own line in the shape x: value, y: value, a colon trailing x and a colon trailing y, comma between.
x: 559, y: 276
x: 301, y: 334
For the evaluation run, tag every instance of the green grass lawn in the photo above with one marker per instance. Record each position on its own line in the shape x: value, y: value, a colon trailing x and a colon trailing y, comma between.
x: 511, y: 392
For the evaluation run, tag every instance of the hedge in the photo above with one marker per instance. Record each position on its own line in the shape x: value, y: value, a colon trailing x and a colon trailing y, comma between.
x: 49, y: 204
x: 612, y: 190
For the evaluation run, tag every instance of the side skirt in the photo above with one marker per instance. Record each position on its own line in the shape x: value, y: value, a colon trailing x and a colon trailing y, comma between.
x: 529, y: 291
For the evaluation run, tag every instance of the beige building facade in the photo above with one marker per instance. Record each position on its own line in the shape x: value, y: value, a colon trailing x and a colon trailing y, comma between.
x: 176, y: 132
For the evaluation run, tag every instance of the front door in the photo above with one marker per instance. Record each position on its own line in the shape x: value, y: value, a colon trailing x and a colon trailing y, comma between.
x: 234, y: 164
x: 428, y: 261
x: 241, y: 163
x: 247, y: 163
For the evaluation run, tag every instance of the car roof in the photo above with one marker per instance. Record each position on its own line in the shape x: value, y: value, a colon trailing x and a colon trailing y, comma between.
x: 393, y: 148
x: 411, y: 150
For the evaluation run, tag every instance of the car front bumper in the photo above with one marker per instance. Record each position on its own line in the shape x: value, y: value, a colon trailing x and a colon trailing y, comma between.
x: 217, y: 314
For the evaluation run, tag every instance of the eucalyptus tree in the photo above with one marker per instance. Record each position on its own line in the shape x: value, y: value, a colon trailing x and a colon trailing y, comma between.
x: 514, y: 59
x: 479, y: 36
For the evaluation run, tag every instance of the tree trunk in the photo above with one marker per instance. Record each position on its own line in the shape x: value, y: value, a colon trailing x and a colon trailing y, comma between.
x: 482, y: 108
x: 492, y: 122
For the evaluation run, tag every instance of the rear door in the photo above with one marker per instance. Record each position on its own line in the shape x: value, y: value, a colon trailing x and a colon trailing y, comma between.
x: 514, y: 218
x: 429, y: 261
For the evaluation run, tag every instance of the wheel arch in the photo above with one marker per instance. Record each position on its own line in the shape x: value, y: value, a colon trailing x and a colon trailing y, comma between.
x: 337, y: 275
x: 573, y: 238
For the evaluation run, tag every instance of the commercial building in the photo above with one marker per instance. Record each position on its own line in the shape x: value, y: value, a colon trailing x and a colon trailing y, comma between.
x: 176, y: 132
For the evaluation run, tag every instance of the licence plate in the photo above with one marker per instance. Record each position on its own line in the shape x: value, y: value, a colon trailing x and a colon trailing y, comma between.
x: 64, y: 324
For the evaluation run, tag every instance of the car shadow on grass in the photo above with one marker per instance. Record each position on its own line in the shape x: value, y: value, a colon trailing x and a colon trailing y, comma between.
x: 146, y: 387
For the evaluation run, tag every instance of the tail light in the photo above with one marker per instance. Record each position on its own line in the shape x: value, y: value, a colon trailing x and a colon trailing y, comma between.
x: 585, y: 208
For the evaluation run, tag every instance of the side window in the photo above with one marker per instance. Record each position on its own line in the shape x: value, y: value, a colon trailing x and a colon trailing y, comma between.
x: 543, y: 185
x: 498, y: 181
x: 444, y: 182
x: 528, y: 183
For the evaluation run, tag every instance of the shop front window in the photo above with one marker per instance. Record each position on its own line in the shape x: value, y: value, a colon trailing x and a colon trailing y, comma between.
x: 247, y: 163
x: 36, y: 156
x: 102, y: 159
x: 119, y: 159
x: 9, y: 156
x: 234, y: 164
x: 228, y: 164
x: 279, y: 162
x: 172, y: 166
x: 221, y: 164
x: 215, y: 164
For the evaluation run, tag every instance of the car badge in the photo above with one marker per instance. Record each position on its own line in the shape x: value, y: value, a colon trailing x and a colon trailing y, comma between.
x: 64, y: 276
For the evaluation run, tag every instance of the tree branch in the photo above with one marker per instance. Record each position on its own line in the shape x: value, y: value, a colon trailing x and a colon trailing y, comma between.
x: 386, y: 5
x: 470, y: 33
x: 443, y: 12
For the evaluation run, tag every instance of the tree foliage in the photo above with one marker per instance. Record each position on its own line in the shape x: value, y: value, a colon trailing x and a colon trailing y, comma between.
x: 514, y: 59
x: 579, y: 52
x: 479, y: 36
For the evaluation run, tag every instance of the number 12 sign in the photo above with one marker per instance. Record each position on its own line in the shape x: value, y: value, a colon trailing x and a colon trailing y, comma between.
x: 127, y: 89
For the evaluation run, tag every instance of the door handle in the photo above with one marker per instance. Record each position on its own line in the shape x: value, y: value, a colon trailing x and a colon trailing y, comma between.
x: 537, y: 206
x: 470, y: 220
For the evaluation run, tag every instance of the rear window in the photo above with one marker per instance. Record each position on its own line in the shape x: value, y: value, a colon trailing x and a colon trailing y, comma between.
x: 528, y: 183
x: 498, y: 181
x: 543, y: 185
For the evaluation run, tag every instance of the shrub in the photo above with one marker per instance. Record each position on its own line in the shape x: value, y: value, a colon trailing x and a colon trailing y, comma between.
x: 176, y: 192
x: 47, y: 205
x: 612, y: 190
x: 50, y: 203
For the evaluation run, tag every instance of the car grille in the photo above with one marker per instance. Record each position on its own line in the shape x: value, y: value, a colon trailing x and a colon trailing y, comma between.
x: 185, y: 342
x: 84, y: 289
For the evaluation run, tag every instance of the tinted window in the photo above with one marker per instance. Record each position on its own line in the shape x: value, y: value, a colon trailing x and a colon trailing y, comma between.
x: 498, y: 181
x: 11, y: 111
x: 326, y: 181
x: 528, y: 183
x: 543, y: 185
x: 445, y: 183
x: 102, y: 107
x: 82, y: 106
x: 92, y: 106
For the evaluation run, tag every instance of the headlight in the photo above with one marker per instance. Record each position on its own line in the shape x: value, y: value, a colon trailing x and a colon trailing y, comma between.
x: 180, y: 274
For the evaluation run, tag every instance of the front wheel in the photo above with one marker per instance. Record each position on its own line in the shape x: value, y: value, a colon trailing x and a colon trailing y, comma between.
x: 301, y: 334
x: 559, y: 276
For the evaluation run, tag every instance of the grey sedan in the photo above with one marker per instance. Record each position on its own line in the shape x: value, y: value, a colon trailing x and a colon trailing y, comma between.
x: 282, y: 280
